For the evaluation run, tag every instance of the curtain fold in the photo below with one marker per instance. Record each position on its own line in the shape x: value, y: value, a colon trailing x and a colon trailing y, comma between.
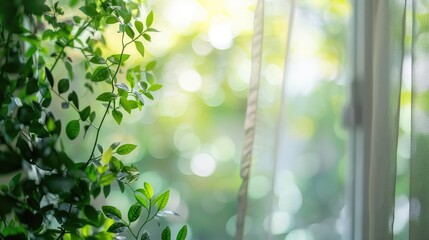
x: 419, y: 163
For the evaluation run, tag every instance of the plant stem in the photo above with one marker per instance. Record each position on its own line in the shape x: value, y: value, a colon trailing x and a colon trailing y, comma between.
x: 148, y: 218
x: 108, y: 105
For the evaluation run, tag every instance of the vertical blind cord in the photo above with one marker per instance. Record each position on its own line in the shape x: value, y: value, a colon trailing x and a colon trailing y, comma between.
x: 280, y: 118
x: 250, y: 121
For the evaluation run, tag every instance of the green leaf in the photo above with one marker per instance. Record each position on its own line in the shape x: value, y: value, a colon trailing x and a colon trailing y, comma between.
x: 150, y: 66
x: 139, y: 47
x: 92, y: 117
x: 111, y: 20
x: 125, y: 149
x: 147, y: 37
x: 142, y: 201
x: 106, y: 97
x: 150, y: 78
x: 111, y: 212
x: 49, y: 33
x: 84, y: 114
x: 117, y: 227
x: 125, y: 104
x: 107, y: 188
x: 117, y: 115
x: 89, y: 11
x: 106, y: 156
x: 100, y: 74
x: 115, y: 165
x: 49, y: 77
x: 74, y: 99
x: 107, y: 179
x: 116, y: 58
x: 148, y: 189
x: 145, y: 236
x: 14, y: 181
x: 125, y: 15
x: 149, y: 19
x: 166, y: 234
x: 162, y: 200
x: 90, y: 213
x: 72, y: 129
x: 182, y: 233
x: 151, y: 30
x: 97, y: 60
x: 69, y: 68
x: 134, y: 212
x: 129, y: 31
x: 139, y: 26
x: 154, y: 87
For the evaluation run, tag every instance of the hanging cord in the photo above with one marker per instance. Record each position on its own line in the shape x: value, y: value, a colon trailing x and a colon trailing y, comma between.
x: 250, y: 122
x: 280, y: 118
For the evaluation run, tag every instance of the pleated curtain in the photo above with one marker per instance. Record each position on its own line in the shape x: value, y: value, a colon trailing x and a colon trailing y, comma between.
x: 383, y: 33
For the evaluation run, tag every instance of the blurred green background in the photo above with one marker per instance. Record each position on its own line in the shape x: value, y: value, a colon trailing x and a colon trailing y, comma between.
x: 190, y: 138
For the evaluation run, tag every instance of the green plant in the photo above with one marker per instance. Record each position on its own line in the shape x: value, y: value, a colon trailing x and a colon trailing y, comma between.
x: 51, y: 196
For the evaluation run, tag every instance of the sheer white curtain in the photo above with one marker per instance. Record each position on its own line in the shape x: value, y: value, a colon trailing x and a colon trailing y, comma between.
x: 382, y: 33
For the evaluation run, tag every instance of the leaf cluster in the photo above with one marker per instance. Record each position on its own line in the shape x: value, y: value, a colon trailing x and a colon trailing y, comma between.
x: 51, y: 195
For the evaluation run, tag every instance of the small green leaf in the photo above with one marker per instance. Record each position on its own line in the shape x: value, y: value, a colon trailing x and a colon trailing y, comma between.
x: 129, y: 31
x: 14, y: 181
x: 117, y: 227
x: 125, y: 15
x: 151, y: 30
x: 49, y: 77
x: 182, y: 233
x: 111, y: 20
x: 147, y: 37
x: 149, y: 190
x: 107, y: 179
x: 92, y: 117
x: 125, y: 104
x: 72, y: 129
x: 90, y: 213
x: 107, y: 188
x: 150, y: 78
x: 149, y: 19
x: 69, y: 68
x: 84, y: 114
x: 106, y: 97
x: 145, y: 236
x: 125, y: 149
x: 150, y: 66
x: 162, y: 200
x: 142, y: 201
x: 139, y: 47
x: 100, y: 74
x: 89, y: 11
x: 117, y: 115
x: 116, y: 58
x: 139, y: 26
x: 148, y: 95
x: 74, y: 99
x: 106, y: 156
x: 115, y: 165
x: 97, y: 60
x: 154, y: 87
x: 134, y: 212
x: 166, y: 234
x: 111, y: 212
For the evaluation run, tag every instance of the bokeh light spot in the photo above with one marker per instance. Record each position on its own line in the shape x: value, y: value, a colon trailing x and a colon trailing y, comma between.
x: 203, y: 165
